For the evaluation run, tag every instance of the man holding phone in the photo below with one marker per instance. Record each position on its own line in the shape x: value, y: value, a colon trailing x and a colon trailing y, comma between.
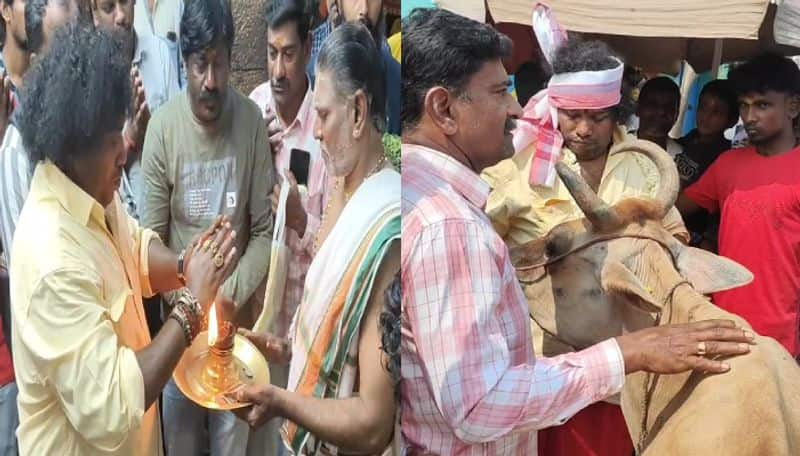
x: 286, y: 101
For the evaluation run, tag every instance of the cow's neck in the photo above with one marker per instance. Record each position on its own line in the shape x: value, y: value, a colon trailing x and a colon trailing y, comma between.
x: 668, y: 392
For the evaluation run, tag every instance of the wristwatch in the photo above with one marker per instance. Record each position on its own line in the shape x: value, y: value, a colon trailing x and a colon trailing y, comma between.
x: 181, y: 277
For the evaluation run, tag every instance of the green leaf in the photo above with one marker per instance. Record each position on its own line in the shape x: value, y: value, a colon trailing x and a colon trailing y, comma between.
x: 391, y: 147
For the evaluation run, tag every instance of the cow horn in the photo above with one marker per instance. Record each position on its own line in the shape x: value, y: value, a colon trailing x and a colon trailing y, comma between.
x: 602, y: 216
x: 669, y: 182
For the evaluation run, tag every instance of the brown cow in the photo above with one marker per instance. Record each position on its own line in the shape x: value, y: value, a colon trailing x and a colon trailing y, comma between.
x: 618, y: 270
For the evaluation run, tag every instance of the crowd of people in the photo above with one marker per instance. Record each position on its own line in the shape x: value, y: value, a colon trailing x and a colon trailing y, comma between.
x: 141, y: 191
x: 138, y: 189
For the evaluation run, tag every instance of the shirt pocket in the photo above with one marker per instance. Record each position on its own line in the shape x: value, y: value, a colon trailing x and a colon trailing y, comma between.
x: 117, y: 302
x: 544, y: 214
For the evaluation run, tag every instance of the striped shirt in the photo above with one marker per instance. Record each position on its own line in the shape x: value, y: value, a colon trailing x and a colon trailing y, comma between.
x: 471, y: 384
x: 15, y: 179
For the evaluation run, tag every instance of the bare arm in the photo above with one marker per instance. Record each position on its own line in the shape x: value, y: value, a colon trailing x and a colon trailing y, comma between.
x: 363, y: 423
x: 686, y: 206
x: 163, y: 266
x: 158, y: 360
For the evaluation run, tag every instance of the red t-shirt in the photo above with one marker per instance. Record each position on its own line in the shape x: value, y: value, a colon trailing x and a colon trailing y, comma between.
x: 6, y: 367
x: 760, y: 228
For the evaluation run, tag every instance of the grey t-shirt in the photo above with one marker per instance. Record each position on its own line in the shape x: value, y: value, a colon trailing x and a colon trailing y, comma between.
x: 191, y: 176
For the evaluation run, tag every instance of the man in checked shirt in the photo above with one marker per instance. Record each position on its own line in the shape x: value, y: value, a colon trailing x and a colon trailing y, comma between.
x: 470, y: 382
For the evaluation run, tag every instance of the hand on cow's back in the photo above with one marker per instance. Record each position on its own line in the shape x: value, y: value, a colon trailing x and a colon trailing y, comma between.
x: 671, y: 349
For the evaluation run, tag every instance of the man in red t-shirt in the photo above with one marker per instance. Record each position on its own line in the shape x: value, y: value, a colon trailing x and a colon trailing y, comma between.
x: 8, y: 389
x: 757, y: 190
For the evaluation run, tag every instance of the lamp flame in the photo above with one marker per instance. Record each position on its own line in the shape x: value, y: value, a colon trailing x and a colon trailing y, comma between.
x: 213, y: 330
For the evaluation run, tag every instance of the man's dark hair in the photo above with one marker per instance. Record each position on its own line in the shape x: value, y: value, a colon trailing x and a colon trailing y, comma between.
x: 766, y: 72
x: 661, y: 84
x: 577, y: 55
x: 280, y: 13
x: 444, y: 49
x: 3, y: 25
x: 722, y: 90
x: 76, y: 93
x: 352, y: 57
x: 35, y: 11
x: 390, y: 332
x: 205, y: 24
x: 34, y: 20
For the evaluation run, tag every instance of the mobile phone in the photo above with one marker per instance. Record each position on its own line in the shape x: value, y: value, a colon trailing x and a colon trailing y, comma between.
x: 299, y: 161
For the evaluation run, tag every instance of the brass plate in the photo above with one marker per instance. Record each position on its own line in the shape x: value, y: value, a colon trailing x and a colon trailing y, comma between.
x: 250, y: 365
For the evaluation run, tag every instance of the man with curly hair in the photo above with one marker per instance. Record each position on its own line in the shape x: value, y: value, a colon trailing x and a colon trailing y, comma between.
x: 89, y: 375
x: 15, y: 174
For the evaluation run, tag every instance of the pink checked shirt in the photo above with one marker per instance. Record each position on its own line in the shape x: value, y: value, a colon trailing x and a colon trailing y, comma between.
x: 471, y: 384
x: 299, y: 134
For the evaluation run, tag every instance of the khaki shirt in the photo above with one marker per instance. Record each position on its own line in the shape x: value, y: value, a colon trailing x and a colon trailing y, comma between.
x: 521, y: 213
x: 78, y: 274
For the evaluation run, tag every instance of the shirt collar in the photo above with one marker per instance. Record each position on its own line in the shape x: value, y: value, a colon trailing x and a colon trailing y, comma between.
x: 462, y: 179
x: 137, y: 53
x: 303, y: 114
x: 72, y: 198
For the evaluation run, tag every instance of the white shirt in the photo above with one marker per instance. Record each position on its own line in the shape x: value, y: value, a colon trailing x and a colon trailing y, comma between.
x: 157, y: 57
x: 15, y: 179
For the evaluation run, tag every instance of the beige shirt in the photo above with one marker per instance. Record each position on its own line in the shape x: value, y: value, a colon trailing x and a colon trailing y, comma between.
x: 521, y: 213
x: 78, y: 274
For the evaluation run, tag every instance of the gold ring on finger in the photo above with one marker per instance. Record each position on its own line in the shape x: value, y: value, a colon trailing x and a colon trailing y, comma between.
x: 214, y: 247
x: 206, y: 244
x: 219, y: 260
x: 701, y: 349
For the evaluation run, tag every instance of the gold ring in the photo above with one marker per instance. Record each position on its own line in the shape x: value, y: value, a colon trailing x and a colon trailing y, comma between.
x: 701, y: 349
x: 206, y: 244
x: 219, y: 260
x: 214, y: 247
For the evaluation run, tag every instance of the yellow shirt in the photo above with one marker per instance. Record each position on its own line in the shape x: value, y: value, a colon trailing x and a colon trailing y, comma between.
x: 395, y: 46
x: 78, y: 273
x: 521, y: 213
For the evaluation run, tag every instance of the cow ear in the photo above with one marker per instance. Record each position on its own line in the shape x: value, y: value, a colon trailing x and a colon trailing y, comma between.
x: 616, y: 278
x: 709, y: 273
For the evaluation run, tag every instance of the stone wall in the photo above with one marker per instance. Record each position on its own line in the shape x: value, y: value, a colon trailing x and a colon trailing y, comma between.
x: 248, y: 65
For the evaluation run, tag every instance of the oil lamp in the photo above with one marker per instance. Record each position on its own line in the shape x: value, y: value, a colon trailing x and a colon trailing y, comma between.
x: 218, y: 362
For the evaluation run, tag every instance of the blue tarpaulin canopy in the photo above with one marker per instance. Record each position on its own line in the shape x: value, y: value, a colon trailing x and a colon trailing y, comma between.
x: 408, y: 5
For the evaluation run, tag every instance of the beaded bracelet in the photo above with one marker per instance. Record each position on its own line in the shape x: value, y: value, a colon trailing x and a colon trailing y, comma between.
x: 193, y: 307
x: 188, y: 314
x: 180, y: 318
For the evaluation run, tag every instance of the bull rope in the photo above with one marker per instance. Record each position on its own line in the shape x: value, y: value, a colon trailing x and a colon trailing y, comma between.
x: 651, y: 380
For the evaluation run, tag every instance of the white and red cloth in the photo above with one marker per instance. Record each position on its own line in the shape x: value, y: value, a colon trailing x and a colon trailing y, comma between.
x: 539, y: 122
x: 580, y: 90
